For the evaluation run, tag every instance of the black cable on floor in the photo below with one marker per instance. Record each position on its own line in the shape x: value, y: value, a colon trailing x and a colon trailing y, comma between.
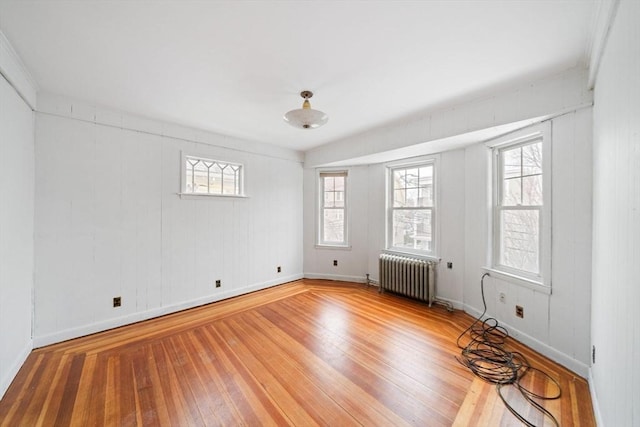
x: 487, y: 358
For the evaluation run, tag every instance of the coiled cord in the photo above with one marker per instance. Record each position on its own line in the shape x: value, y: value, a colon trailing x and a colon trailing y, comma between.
x: 487, y: 358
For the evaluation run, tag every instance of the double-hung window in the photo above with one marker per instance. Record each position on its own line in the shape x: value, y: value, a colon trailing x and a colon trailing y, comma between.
x: 411, y: 208
x: 521, y: 214
x: 333, y: 209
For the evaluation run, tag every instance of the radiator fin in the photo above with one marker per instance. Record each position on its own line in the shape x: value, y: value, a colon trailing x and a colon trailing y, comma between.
x: 412, y: 277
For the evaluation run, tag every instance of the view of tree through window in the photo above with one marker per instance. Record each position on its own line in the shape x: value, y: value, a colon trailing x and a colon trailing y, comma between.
x: 333, y: 225
x: 204, y: 176
x: 412, y: 208
x: 519, y: 206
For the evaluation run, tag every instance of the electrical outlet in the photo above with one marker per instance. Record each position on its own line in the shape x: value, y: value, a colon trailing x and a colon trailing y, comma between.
x: 519, y: 311
x: 117, y: 301
x: 218, y: 283
x: 449, y: 265
x: 335, y: 262
x: 279, y: 269
x: 503, y: 297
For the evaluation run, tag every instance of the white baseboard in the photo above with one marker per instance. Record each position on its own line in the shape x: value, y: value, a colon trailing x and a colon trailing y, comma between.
x: 359, y: 279
x: 340, y: 277
x: 8, y: 377
x: 67, y: 334
x: 594, y: 399
x: 567, y: 361
x: 456, y: 304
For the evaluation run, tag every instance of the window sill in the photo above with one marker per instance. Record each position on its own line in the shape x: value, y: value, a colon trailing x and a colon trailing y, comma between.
x: 337, y: 247
x: 201, y: 195
x: 518, y: 280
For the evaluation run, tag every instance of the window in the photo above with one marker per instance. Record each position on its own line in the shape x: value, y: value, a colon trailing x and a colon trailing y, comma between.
x: 333, y: 209
x: 521, y: 214
x: 411, y: 208
x: 207, y: 176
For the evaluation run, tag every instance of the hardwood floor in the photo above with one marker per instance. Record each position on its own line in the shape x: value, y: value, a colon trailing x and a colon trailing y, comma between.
x: 306, y: 353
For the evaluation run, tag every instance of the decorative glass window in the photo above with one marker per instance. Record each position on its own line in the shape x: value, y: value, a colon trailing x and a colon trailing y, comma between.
x: 207, y: 176
x: 411, y: 210
x: 333, y: 209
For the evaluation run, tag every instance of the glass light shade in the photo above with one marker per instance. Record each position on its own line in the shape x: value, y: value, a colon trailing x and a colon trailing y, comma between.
x: 306, y: 118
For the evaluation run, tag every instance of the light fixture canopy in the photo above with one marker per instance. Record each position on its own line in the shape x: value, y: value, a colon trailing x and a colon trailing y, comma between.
x: 306, y: 117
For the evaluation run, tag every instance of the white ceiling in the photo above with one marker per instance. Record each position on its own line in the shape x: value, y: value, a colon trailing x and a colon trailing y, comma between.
x: 236, y: 67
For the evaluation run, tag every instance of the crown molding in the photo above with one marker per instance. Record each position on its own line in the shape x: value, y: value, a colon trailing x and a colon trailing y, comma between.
x: 602, y: 23
x: 16, y: 73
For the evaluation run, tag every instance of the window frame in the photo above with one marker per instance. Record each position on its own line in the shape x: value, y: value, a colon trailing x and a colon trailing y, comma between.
x: 184, y: 156
x: 320, y: 242
x: 435, y: 223
x: 542, y: 279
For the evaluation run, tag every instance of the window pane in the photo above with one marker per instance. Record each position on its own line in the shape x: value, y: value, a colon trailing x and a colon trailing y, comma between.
x: 412, y: 229
x: 338, y: 198
x: 532, y: 190
x: 426, y: 175
x: 332, y: 213
x: 519, y: 246
x: 328, y: 200
x: 201, y: 178
x: 329, y: 183
x: 333, y: 225
x: 532, y: 159
x: 205, y: 176
x: 399, y: 179
x: 426, y: 196
x: 338, y: 183
x: 412, y: 178
x: 215, y: 174
x: 511, y: 165
x: 512, y: 192
x: 189, y: 177
x: 412, y: 197
x: 229, y: 178
x: 399, y: 197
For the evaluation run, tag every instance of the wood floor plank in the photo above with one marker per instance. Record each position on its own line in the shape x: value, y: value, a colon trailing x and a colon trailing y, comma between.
x: 341, y: 401
x: 243, y: 387
x: 375, y: 378
x: 263, y: 367
x: 306, y: 353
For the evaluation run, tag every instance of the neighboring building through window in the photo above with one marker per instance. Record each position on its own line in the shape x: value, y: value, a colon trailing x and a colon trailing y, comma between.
x: 333, y: 209
x: 411, y: 210
x: 207, y: 176
x: 521, y: 207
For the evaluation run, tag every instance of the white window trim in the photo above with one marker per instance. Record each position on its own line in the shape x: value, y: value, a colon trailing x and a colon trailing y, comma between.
x: 406, y: 163
x: 541, y: 281
x: 183, y: 173
x: 320, y: 244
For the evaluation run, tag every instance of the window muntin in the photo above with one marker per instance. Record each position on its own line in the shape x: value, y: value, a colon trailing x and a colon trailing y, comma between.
x: 519, y: 207
x: 411, y: 213
x: 333, y: 209
x: 207, y: 176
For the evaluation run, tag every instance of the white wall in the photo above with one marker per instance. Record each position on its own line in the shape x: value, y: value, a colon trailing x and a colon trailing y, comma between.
x: 352, y: 262
x: 616, y: 223
x: 558, y: 324
x: 109, y: 221
x: 548, y: 96
x: 16, y: 232
x: 366, y: 187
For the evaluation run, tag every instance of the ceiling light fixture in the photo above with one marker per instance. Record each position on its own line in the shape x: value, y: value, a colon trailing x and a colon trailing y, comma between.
x: 305, y: 117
